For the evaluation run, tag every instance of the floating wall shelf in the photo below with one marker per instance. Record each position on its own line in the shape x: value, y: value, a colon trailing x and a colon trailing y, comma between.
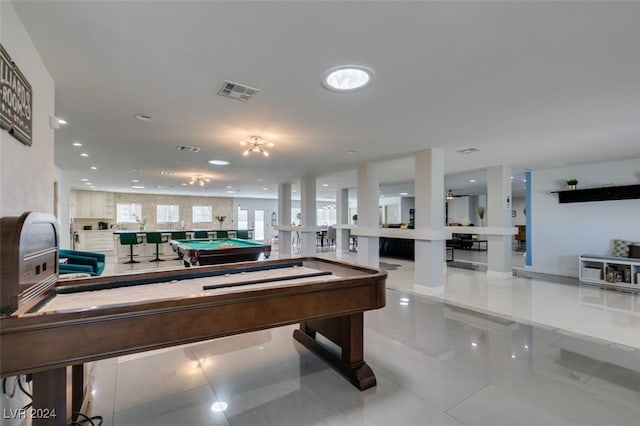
x: 606, y: 193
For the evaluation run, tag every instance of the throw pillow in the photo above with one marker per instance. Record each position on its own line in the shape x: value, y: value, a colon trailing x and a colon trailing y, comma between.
x: 634, y: 251
x: 620, y: 248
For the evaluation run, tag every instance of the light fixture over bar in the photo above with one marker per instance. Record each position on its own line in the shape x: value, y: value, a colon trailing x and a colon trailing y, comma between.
x: 256, y: 145
x: 199, y: 180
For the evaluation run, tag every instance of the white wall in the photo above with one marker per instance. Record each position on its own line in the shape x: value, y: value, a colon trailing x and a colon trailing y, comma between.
x: 26, y: 173
x: 459, y: 210
x: 518, y: 205
x: 561, y: 232
x: 406, y: 204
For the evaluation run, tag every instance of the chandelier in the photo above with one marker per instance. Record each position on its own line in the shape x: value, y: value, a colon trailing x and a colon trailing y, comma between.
x: 255, y: 145
x: 199, y: 180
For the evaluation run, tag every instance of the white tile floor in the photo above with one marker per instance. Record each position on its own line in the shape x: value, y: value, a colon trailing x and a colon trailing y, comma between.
x: 521, y: 351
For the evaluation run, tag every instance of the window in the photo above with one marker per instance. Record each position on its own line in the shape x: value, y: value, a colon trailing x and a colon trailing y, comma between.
x: 326, y: 216
x: 168, y: 213
x: 243, y: 219
x: 128, y: 213
x: 202, y: 214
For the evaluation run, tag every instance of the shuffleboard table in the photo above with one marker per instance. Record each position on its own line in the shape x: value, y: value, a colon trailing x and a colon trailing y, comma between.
x: 48, y: 325
x: 207, y: 251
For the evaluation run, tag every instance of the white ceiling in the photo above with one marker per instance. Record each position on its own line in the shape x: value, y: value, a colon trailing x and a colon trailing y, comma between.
x: 531, y: 84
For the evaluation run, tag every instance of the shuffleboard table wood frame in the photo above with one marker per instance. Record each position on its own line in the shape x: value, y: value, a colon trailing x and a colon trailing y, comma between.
x: 45, y: 343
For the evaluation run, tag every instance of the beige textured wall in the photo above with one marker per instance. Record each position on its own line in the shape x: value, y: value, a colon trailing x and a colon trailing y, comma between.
x: 221, y: 206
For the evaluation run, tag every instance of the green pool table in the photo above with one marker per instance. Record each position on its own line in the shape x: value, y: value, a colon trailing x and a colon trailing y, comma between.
x: 207, y: 251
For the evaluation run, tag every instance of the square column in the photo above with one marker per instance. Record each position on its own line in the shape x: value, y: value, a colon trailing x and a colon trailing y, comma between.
x: 284, y: 211
x: 499, y: 216
x: 342, y: 218
x: 368, y: 183
x: 430, y: 262
x: 309, y: 215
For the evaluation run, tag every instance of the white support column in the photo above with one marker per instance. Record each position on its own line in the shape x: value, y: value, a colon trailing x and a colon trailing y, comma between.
x: 430, y: 262
x: 368, y: 183
x: 499, y: 216
x: 309, y: 214
x: 342, y: 218
x: 284, y: 212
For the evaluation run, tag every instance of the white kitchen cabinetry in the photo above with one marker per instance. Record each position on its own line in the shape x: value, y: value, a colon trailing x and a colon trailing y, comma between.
x: 96, y: 241
x: 93, y: 205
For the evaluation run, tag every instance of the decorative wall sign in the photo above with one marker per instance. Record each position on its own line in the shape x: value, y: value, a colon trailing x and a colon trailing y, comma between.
x: 15, y: 100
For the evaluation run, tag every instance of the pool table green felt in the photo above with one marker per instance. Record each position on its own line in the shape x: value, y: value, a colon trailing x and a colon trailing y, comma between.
x: 208, y: 251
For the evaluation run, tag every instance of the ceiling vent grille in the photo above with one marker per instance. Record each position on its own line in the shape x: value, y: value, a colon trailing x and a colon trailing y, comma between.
x: 187, y: 148
x: 468, y: 150
x: 237, y: 91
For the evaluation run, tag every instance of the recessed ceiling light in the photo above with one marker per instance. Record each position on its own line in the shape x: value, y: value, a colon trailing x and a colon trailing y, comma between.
x: 88, y: 183
x: 229, y: 186
x: 62, y: 121
x: 472, y: 180
x: 347, y: 77
x: 404, y: 193
x: 230, y: 192
x: 84, y: 154
x: 76, y: 144
x: 262, y: 180
x: 218, y: 162
x: 511, y: 177
x: 265, y: 189
x: 184, y: 184
x: 135, y: 180
x: 137, y: 186
x: 168, y: 173
x: 144, y: 117
x: 219, y: 406
x: 94, y: 168
x: 325, y: 184
x: 136, y: 170
x: 84, y: 180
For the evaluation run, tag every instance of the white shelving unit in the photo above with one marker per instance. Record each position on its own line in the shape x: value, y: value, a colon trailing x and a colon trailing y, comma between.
x: 610, y: 271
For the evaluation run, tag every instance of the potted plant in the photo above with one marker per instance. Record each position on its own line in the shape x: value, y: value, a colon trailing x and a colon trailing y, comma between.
x: 481, y: 215
x: 220, y: 219
x: 355, y: 218
x: 571, y: 183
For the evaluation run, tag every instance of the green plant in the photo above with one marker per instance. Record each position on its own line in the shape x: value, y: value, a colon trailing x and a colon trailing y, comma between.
x: 354, y: 217
x: 572, y: 182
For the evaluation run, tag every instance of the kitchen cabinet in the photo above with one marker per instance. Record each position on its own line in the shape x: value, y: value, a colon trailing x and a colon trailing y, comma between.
x: 93, y: 205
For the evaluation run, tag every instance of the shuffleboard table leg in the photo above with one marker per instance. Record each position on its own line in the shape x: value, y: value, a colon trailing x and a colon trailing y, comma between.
x: 77, y: 389
x: 50, y: 398
x: 346, y: 332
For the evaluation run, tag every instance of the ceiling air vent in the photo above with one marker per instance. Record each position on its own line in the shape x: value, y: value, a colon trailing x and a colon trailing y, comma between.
x: 237, y: 91
x: 187, y: 148
x: 468, y: 150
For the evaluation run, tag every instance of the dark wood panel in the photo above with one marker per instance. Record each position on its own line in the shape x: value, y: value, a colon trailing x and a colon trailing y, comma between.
x: 608, y: 193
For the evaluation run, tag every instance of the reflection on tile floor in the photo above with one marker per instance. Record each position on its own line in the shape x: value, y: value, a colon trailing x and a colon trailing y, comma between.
x: 514, y: 352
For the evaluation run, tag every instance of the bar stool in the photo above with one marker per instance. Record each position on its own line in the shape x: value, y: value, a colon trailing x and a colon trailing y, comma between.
x: 222, y: 234
x: 178, y: 235
x: 242, y: 234
x: 155, y: 238
x: 200, y: 234
x: 129, y: 239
